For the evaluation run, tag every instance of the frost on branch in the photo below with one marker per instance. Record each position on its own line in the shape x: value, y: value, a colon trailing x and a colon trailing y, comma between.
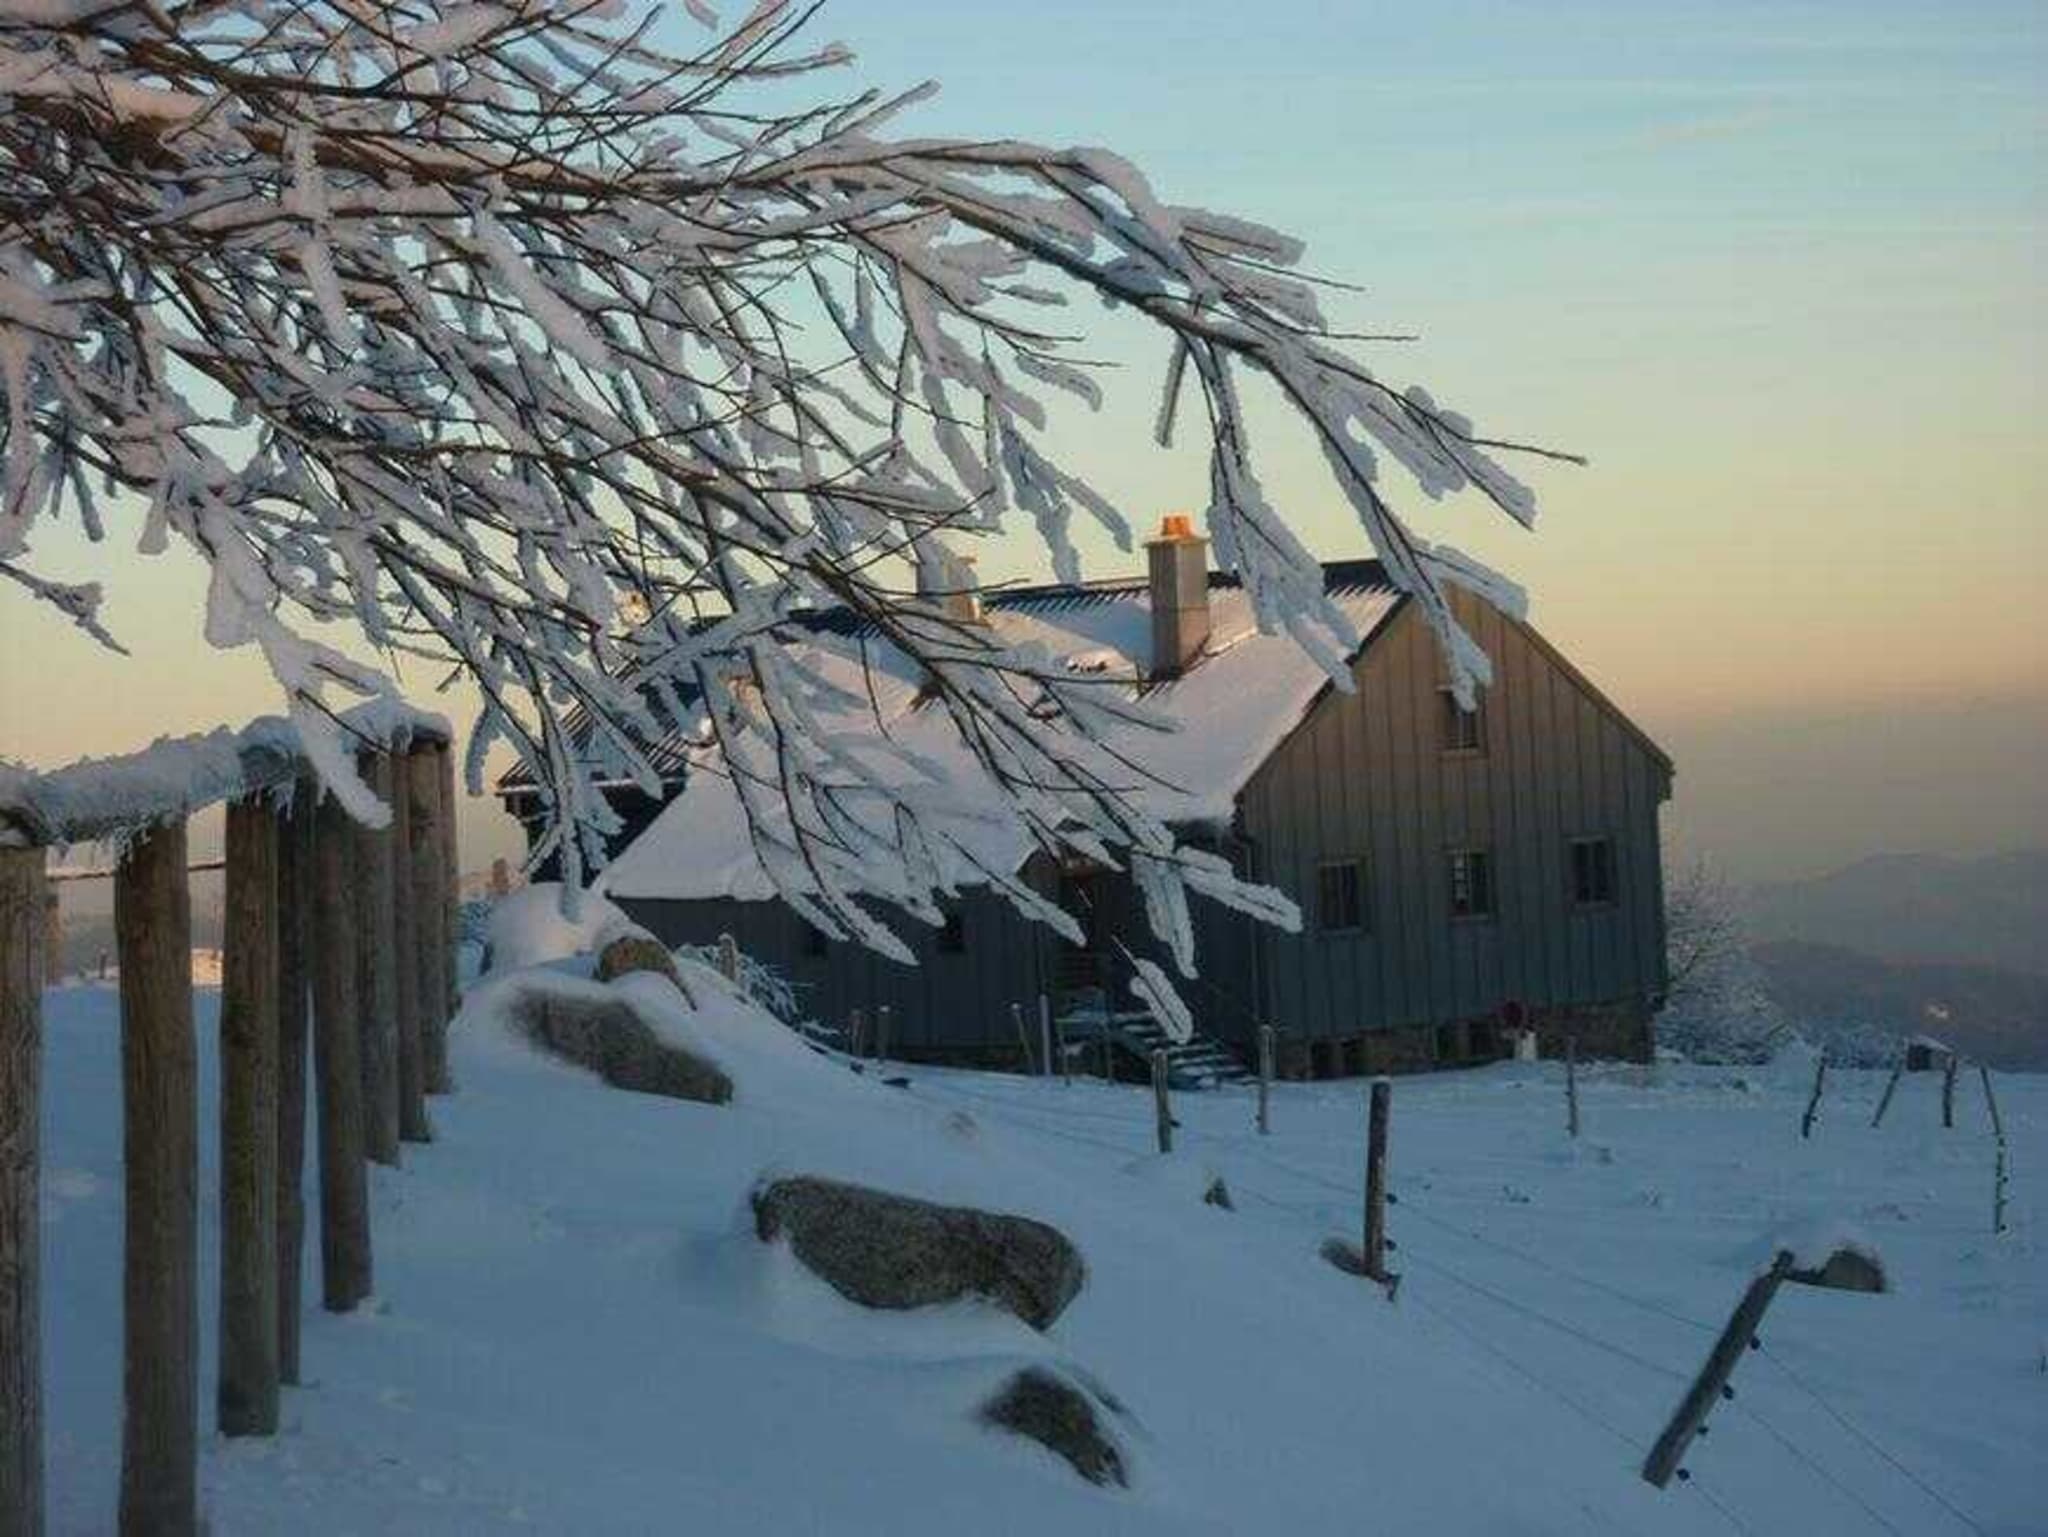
x: 525, y: 343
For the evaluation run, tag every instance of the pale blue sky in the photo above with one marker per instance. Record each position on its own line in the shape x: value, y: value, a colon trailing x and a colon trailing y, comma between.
x: 1778, y: 269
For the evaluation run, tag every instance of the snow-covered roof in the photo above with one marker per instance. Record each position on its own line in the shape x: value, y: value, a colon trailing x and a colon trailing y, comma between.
x: 1232, y: 709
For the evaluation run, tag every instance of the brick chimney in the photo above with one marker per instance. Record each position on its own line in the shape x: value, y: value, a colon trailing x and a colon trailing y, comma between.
x: 1178, y: 563
x: 949, y: 581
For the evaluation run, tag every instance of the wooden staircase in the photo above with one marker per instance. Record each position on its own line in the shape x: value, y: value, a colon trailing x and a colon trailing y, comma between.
x: 1198, y: 1063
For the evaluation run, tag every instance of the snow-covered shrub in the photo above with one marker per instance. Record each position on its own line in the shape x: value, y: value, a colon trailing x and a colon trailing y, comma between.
x: 528, y: 927
x: 1717, y: 1009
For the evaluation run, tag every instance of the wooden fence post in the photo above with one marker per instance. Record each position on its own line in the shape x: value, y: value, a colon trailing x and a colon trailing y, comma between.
x: 1820, y: 1078
x: 1991, y: 1102
x: 1998, y: 1174
x: 882, y: 1042
x: 22, y: 968
x: 729, y: 959
x: 245, y: 1399
x: 427, y: 868
x: 377, y: 971
x: 1265, y: 1080
x: 337, y: 1066
x: 1712, y: 1381
x: 160, y: 1154
x: 856, y: 1032
x: 1380, y: 1104
x: 294, y: 985
x: 1161, y: 1103
x: 451, y: 902
x: 1059, y: 1030
x: 1948, y: 1094
x: 1571, y: 1084
x: 406, y: 1010
x: 1045, y: 1033
x: 1023, y: 1040
x: 1884, y: 1100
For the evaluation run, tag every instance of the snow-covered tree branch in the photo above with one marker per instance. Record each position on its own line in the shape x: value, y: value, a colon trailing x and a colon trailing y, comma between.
x: 581, y: 366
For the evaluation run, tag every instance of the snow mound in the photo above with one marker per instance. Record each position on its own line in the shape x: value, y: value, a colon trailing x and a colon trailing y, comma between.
x: 528, y: 927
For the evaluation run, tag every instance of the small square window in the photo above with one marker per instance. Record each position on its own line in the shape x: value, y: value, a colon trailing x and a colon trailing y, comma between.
x: 1463, y: 729
x: 1592, y: 871
x: 953, y: 934
x: 1471, y: 883
x: 1340, y: 896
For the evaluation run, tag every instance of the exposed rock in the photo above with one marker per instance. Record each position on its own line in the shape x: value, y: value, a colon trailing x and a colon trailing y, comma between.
x: 1058, y: 1416
x: 890, y: 1251
x: 606, y: 1036
x: 1847, y: 1270
x: 1218, y: 1194
x: 635, y: 951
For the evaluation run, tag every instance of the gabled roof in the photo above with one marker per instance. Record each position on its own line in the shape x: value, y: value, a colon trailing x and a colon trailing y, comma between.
x: 1232, y: 708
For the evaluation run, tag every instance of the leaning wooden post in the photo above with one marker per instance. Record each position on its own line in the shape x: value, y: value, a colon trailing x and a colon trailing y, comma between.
x: 22, y: 967
x: 1023, y: 1040
x: 377, y: 971
x: 1712, y: 1382
x: 1948, y: 1094
x: 1820, y: 1078
x: 1884, y: 1100
x: 1045, y: 1033
x: 406, y: 1011
x: 160, y: 1152
x: 1991, y: 1102
x: 729, y: 959
x: 245, y: 1399
x: 426, y: 867
x: 1380, y: 1104
x: 1571, y: 1084
x: 294, y: 985
x: 337, y: 1067
x: 1162, y: 1105
x: 1265, y: 1080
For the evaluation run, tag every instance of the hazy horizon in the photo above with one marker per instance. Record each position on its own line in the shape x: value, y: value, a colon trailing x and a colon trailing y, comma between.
x: 1775, y: 269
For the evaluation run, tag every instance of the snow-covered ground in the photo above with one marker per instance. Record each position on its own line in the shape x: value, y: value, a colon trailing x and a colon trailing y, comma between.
x: 574, y: 1330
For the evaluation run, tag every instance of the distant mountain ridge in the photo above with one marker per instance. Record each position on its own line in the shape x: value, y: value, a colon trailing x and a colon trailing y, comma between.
x: 1989, y: 1014
x: 1916, y: 909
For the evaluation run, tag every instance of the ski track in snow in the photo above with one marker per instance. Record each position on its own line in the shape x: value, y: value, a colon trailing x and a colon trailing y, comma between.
x: 574, y: 1330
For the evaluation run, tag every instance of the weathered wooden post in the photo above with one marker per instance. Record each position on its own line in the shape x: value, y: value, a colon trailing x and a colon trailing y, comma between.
x: 1571, y: 1084
x: 413, y: 1124
x: 1059, y: 1027
x: 1948, y: 1094
x: 1023, y: 1040
x: 729, y: 959
x: 1712, y: 1382
x: 22, y: 965
x: 1161, y: 1104
x: 1379, y: 1105
x: 882, y: 1042
x: 294, y: 985
x: 53, y: 935
x: 1820, y: 1078
x: 1265, y: 1080
x: 245, y: 1399
x: 451, y: 902
x: 856, y: 1032
x: 1991, y: 1102
x: 377, y: 970
x: 160, y: 1153
x: 337, y: 1066
x: 1884, y: 1100
x: 426, y: 860
x: 1045, y: 1033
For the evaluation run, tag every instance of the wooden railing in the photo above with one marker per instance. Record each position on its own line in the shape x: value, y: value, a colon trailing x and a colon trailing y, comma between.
x: 328, y: 923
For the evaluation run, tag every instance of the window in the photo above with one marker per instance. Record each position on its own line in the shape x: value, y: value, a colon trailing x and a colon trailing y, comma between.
x: 1461, y: 727
x: 1592, y: 871
x: 1340, y: 896
x: 1471, y: 883
x: 953, y: 934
